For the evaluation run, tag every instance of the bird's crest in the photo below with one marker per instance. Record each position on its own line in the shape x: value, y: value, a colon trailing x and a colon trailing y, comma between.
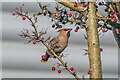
x: 63, y: 29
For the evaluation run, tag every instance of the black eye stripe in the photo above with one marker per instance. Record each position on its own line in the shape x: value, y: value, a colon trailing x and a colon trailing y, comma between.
x: 65, y: 30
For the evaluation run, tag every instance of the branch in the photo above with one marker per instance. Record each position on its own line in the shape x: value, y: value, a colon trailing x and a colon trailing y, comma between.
x: 37, y: 38
x: 70, y: 4
x: 33, y: 24
x: 102, y: 26
x: 73, y: 73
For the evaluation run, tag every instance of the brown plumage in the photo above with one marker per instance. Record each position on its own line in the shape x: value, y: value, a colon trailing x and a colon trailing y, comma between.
x: 57, y: 44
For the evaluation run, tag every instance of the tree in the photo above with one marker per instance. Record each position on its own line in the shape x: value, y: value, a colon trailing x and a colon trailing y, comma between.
x: 85, y: 16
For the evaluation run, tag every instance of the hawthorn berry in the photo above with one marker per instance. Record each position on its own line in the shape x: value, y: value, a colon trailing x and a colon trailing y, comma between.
x: 106, y: 10
x: 76, y: 30
x: 63, y: 22
x: 112, y: 16
x: 71, y: 68
x: 23, y: 18
x: 71, y: 10
x: 54, y: 57
x: 56, y: 24
x: 53, y: 68
x: 84, y: 5
x: 13, y: 14
x: 97, y: 26
x: 65, y: 12
x: 70, y: 15
x: 100, y: 3
x: 101, y: 49
x: 43, y: 56
x: 77, y: 27
x: 75, y: 5
x: 119, y: 31
x: 96, y: 6
x: 96, y: 9
x: 53, y: 25
x: 34, y: 42
x: 115, y: 20
x: 88, y: 72
x: 103, y: 30
x: 59, y: 71
x: 112, y: 12
x: 42, y: 38
x: 44, y: 14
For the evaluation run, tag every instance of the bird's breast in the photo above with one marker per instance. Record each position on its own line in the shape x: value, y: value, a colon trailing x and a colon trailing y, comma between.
x: 63, y: 42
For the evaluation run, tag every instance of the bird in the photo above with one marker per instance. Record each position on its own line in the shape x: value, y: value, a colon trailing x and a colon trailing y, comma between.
x: 57, y: 44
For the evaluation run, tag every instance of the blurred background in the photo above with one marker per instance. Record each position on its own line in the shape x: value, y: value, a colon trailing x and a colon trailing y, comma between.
x: 21, y: 60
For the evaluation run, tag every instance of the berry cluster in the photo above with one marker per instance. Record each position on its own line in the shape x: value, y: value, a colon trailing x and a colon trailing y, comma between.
x: 23, y: 18
x: 111, y: 13
x: 59, y: 71
x: 77, y: 28
x: 53, y: 68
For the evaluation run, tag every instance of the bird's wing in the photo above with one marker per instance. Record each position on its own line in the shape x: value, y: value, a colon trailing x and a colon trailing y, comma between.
x: 54, y: 45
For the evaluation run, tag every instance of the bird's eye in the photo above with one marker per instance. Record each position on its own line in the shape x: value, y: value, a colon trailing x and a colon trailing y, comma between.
x: 65, y: 30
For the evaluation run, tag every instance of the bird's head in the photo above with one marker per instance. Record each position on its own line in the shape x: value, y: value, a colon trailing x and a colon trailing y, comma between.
x: 65, y: 31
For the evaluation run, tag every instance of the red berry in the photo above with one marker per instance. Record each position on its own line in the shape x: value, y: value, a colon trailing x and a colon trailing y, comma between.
x: 112, y: 12
x: 54, y: 57
x: 59, y: 71
x: 75, y: 5
x: 23, y: 18
x: 88, y: 72
x: 53, y: 25
x: 53, y: 68
x: 42, y: 38
x: 115, y: 20
x: 65, y: 12
x: 97, y: 26
x: 71, y: 68
x: 34, y: 42
x: 70, y: 9
x: 84, y: 5
x: 103, y: 30
x: 77, y: 27
x: 101, y: 49
x: 106, y: 10
x: 56, y: 24
x: 70, y: 15
x: 13, y: 14
x: 112, y: 16
x: 76, y: 30
x: 119, y: 31
x: 43, y: 56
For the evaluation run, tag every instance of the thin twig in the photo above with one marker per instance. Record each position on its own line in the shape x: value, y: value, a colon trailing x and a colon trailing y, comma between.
x: 102, y: 26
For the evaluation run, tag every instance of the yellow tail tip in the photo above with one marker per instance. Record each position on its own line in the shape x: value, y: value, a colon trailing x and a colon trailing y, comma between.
x: 43, y: 61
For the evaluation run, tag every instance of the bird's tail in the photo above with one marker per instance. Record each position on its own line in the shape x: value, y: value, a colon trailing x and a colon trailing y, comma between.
x: 45, y: 58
